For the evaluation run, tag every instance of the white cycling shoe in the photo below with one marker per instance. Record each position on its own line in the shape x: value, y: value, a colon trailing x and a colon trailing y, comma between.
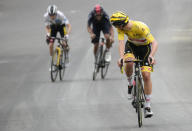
x: 108, y: 56
x: 148, y: 112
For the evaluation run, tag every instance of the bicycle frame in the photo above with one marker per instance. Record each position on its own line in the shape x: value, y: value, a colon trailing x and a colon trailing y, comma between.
x: 59, y: 54
x: 100, y: 50
x: 58, y: 63
x: 100, y: 60
x: 59, y: 48
x: 139, y: 75
x: 138, y: 90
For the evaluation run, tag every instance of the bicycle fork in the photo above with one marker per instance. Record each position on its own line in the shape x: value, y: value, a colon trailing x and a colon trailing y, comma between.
x: 59, y: 55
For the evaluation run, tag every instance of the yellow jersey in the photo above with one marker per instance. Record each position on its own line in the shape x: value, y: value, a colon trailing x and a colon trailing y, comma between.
x: 139, y: 34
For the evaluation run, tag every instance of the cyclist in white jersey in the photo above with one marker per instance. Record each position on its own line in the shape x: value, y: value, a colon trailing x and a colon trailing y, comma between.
x: 55, y: 21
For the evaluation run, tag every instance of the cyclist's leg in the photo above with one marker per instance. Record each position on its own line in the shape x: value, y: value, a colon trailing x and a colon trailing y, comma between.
x: 95, y: 41
x: 106, y: 32
x: 51, y: 42
x: 147, y: 90
x: 129, y: 67
x: 146, y: 72
x: 129, y: 55
x: 146, y: 69
x: 62, y: 31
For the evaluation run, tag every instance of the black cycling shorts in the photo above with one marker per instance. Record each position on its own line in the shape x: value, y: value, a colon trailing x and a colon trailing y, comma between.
x: 142, y: 52
x: 105, y: 28
x: 58, y: 28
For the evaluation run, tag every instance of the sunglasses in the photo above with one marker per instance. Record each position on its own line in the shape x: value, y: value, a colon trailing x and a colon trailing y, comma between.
x: 53, y: 15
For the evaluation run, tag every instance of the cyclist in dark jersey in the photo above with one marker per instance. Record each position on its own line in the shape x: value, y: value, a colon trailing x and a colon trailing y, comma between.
x: 98, y: 20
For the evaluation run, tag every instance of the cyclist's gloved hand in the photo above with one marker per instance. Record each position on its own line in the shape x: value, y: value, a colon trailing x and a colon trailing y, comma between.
x: 47, y: 38
x: 93, y: 36
x: 151, y: 60
x: 120, y: 62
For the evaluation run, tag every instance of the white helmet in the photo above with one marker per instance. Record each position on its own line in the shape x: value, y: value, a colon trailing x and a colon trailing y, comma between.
x: 52, y: 9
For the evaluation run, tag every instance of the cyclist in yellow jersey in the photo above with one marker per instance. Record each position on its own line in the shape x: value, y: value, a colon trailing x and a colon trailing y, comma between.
x: 140, y: 44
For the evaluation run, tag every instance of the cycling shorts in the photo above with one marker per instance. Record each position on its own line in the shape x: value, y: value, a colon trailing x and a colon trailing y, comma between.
x: 142, y: 52
x: 58, y: 28
x: 105, y: 28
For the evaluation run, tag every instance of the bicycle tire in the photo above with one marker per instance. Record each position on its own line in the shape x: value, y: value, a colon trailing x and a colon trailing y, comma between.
x: 62, y: 65
x: 138, y: 100
x: 54, y: 67
x: 96, y: 68
x: 97, y: 63
x: 105, y: 66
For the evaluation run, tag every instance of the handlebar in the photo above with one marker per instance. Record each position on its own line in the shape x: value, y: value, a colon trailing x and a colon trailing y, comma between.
x: 58, y: 38
x: 127, y: 61
x: 135, y: 61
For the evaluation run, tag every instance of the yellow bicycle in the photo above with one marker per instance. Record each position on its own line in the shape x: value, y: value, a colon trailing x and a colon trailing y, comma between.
x: 59, y: 59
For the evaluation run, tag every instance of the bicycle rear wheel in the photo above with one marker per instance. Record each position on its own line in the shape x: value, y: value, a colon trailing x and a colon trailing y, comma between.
x: 62, y: 65
x: 105, y: 66
x: 54, y: 66
x: 139, y: 100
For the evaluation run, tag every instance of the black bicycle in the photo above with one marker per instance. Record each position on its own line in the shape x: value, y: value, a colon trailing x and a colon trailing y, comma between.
x: 100, y: 62
x: 59, y: 58
x: 138, y: 90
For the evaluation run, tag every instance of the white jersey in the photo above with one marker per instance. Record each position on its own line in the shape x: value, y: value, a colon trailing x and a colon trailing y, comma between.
x: 60, y: 18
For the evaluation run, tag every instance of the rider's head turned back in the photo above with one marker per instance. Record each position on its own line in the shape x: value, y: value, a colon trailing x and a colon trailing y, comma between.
x: 119, y: 19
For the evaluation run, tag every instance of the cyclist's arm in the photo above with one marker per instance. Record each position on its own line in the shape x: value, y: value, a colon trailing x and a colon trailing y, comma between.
x: 47, y: 23
x: 121, y: 48
x: 68, y: 28
x: 89, y: 22
x: 151, y: 39
x: 48, y: 29
x: 121, y: 43
x: 112, y: 32
x: 154, y: 47
x: 89, y: 29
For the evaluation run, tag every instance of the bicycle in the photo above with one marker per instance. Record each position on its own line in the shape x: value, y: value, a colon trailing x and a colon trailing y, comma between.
x: 138, y: 90
x: 100, y: 60
x: 59, y: 59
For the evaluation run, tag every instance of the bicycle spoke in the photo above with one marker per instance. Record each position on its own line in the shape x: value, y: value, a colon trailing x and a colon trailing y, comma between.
x: 62, y: 65
x: 139, y: 102
x: 54, y: 69
x: 105, y: 66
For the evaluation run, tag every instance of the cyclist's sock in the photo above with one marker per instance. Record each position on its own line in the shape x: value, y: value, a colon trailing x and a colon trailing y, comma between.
x: 130, y: 80
x: 147, y: 103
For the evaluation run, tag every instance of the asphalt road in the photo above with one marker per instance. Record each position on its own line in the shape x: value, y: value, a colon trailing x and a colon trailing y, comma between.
x: 29, y: 101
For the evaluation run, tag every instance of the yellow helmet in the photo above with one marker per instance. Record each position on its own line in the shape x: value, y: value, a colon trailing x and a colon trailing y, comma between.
x: 119, y: 18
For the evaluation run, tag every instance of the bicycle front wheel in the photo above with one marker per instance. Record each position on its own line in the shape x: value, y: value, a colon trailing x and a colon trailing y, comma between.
x: 97, y: 62
x: 54, y: 66
x: 62, y: 65
x: 138, y: 100
x: 105, y: 66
